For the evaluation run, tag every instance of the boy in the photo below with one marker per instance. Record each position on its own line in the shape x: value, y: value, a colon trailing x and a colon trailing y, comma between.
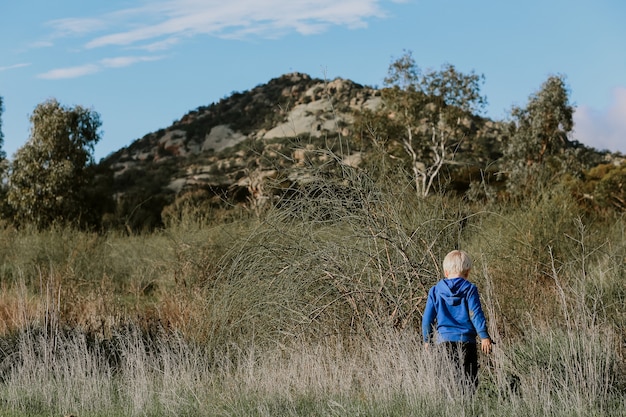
x: 453, y: 304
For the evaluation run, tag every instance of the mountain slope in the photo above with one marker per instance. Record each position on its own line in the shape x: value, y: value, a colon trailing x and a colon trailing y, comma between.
x: 231, y: 146
x: 227, y: 153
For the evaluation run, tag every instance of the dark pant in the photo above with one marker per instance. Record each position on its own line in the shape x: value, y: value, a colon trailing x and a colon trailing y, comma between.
x: 465, y: 357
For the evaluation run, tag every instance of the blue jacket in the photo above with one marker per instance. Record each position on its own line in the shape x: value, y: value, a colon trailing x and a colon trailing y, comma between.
x: 454, y: 306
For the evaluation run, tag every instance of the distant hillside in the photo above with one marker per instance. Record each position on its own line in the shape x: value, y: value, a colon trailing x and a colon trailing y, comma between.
x: 230, y: 146
x: 294, y: 105
x: 226, y: 152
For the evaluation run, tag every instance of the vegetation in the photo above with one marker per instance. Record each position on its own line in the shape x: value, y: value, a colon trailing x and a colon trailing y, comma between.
x: 49, y: 175
x: 539, y: 148
x: 4, y: 163
x: 2, y: 153
x: 313, y: 307
x: 429, y: 114
x: 423, y: 126
x: 308, y: 301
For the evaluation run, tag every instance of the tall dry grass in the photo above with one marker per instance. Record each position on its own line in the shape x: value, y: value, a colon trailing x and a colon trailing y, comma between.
x: 387, y: 374
x: 313, y: 308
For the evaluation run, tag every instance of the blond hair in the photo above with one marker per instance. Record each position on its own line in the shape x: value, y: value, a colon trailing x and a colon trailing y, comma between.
x: 457, y: 263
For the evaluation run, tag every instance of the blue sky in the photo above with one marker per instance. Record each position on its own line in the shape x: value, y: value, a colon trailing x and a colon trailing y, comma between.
x: 144, y: 64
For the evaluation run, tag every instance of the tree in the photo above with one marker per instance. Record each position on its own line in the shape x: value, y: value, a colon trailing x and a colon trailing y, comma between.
x: 3, y: 154
x: 429, y: 114
x: 50, y: 174
x: 539, y: 138
x: 5, y: 209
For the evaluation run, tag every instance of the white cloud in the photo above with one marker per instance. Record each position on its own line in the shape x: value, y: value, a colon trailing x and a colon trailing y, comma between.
x: 159, y: 25
x: 82, y: 70
x: 234, y: 18
x: 161, y: 45
x: 70, y: 72
x: 41, y: 44
x: 603, y: 129
x: 77, y: 26
x: 125, y: 61
x: 10, y: 67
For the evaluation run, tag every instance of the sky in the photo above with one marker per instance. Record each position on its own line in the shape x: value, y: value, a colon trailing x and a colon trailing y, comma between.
x: 143, y: 64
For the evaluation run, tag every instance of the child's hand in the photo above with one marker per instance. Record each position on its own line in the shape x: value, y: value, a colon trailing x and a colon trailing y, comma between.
x: 485, y: 346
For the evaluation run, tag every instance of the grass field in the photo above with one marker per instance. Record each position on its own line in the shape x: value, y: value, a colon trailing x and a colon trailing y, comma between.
x: 312, y: 308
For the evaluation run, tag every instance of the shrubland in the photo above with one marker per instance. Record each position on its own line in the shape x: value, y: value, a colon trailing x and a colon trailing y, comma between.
x: 293, y: 284
x: 312, y: 306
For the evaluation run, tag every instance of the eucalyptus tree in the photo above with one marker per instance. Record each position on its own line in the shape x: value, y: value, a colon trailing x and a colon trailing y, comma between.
x: 49, y: 176
x: 5, y: 210
x: 429, y: 113
x: 3, y: 154
x: 540, y: 136
x: 3, y: 159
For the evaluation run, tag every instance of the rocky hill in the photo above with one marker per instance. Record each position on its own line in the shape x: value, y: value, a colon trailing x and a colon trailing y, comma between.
x: 232, y: 146
x: 277, y: 133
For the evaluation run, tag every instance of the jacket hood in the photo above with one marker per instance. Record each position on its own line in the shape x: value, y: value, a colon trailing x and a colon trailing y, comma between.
x: 452, y: 290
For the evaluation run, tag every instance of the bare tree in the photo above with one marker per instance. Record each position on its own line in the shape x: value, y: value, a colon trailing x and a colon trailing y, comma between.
x: 429, y: 114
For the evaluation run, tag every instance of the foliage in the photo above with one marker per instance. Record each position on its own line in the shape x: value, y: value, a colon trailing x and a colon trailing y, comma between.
x: 202, y: 206
x: 313, y: 307
x: 430, y: 114
x: 2, y: 152
x: 5, y: 210
x: 611, y: 189
x: 424, y: 124
x: 50, y: 173
x: 141, y: 196
x: 605, y: 187
x: 539, y: 139
x: 543, y: 126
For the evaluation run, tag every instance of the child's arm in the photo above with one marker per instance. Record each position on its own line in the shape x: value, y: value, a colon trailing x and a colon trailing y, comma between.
x: 428, y: 318
x: 476, y: 314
